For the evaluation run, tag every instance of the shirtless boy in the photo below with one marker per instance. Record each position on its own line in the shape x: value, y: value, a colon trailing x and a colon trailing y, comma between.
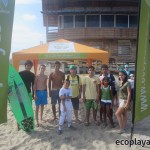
x: 40, y: 92
x: 56, y: 80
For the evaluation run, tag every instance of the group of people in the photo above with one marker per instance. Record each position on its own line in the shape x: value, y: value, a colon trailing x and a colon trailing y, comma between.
x: 66, y: 91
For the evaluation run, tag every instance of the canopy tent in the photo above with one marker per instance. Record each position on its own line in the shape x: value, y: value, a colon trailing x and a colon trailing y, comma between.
x: 59, y: 50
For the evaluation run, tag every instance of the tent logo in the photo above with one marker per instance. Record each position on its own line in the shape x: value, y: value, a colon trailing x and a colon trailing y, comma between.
x: 5, y: 2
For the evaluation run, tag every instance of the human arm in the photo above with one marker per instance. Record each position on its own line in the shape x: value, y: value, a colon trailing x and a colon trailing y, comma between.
x: 112, y: 97
x: 83, y: 90
x: 80, y: 88
x: 35, y: 88
x: 63, y: 102
x: 49, y: 84
x: 128, y: 97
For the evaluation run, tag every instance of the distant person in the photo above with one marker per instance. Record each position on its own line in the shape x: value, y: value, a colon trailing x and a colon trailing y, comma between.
x: 28, y: 78
x: 66, y: 106
x: 105, y: 73
x: 126, y: 68
x: 76, y: 86
x: 107, y: 101
x: 40, y: 92
x: 56, y: 80
x: 131, y: 80
x: 91, y: 94
x: 124, y: 97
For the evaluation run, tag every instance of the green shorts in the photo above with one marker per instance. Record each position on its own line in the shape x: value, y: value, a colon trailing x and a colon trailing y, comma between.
x: 90, y: 103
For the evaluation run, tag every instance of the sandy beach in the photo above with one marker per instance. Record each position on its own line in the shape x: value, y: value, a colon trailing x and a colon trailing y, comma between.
x: 92, y: 137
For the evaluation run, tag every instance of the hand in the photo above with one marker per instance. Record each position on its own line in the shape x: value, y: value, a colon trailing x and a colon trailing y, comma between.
x: 127, y: 106
x: 35, y: 97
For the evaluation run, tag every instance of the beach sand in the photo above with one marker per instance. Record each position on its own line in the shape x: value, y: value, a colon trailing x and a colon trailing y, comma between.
x: 92, y: 137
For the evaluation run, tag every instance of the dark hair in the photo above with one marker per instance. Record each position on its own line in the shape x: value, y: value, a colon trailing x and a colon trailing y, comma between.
x: 105, y: 78
x: 66, y: 80
x: 104, y: 66
x: 28, y: 62
x: 91, y: 67
x: 57, y: 62
x: 126, y: 78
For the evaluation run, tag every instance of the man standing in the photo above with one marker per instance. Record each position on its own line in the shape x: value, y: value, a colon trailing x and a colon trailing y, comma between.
x: 56, y: 80
x: 76, y: 86
x: 91, y: 94
x: 28, y: 78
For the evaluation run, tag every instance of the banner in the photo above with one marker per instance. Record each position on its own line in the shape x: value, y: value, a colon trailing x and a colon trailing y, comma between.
x: 6, y: 23
x: 142, y: 89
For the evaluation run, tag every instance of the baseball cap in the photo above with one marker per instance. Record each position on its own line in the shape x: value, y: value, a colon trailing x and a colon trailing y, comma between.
x: 72, y: 67
x: 126, y: 66
x: 131, y: 75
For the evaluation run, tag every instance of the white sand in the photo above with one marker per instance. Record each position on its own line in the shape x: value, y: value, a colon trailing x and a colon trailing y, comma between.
x: 45, y: 137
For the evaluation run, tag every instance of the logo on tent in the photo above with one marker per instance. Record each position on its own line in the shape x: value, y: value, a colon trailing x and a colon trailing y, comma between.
x: 61, y: 47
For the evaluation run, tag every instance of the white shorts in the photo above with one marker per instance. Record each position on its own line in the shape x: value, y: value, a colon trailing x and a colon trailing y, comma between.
x: 122, y: 103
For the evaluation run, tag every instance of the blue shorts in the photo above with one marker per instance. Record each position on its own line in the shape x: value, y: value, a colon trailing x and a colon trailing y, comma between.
x: 41, y: 97
x: 105, y: 104
x: 55, y: 97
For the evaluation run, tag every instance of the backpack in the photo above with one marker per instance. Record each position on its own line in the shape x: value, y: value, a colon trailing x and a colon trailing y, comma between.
x: 68, y: 77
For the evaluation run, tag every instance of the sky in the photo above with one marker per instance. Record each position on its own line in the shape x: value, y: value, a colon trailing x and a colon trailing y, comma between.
x: 28, y: 29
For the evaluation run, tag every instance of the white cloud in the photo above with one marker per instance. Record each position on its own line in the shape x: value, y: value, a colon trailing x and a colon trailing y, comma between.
x: 29, y: 17
x: 24, y: 37
x: 28, y: 1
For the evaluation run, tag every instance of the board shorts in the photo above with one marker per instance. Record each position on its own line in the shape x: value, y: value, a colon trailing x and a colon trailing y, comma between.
x: 55, y: 97
x: 90, y: 103
x: 41, y: 97
x: 75, y: 103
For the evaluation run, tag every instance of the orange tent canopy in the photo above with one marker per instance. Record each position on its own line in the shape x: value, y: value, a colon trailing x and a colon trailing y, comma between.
x: 59, y: 50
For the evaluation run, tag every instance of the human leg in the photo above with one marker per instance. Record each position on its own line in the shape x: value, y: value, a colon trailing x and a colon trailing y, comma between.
x: 54, y: 102
x: 88, y: 105
x: 109, y: 115
x: 36, y: 115
x: 42, y: 108
x: 75, y: 103
x: 124, y: 120
x: 119, y: 113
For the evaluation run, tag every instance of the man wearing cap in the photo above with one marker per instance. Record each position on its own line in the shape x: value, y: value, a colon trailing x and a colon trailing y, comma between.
x: 56, y: 80
x: 76, y: 86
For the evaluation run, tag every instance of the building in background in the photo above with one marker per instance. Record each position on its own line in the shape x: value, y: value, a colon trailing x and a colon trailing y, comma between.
x: 110, y: 25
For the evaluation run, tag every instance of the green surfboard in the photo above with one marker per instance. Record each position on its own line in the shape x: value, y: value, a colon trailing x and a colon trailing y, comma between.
x: 19, y: 100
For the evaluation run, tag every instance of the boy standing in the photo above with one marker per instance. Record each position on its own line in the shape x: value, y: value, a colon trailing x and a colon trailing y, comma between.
x: 91, y: 94
x: 40, y: 92
x: 28, y: 78
x: 56, y: 80
x: 76, y: 86
x: 66, y: 106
